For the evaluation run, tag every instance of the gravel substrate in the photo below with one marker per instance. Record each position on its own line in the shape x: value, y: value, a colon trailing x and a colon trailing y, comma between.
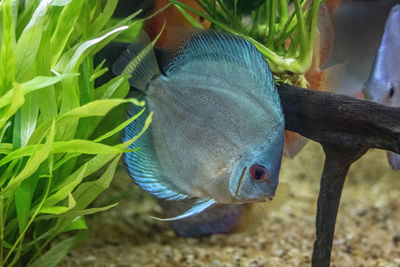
x: 367, y: 229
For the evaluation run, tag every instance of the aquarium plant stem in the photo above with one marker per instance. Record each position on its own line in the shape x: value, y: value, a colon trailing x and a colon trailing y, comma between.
x: 301, y: 28
x: 284, y: 13
x: 271, y: 22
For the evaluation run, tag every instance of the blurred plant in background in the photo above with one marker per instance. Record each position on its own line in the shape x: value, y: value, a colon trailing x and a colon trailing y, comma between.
x: 55, y: 159
x: 282, y: 30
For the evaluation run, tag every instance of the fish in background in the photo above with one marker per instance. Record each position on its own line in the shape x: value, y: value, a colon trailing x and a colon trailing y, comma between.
x: 333, y: 5
x: 217, y: 125
x: 383, y: 85
x: 359, y: 26
x: 318, y: 78
x: 172, y: 19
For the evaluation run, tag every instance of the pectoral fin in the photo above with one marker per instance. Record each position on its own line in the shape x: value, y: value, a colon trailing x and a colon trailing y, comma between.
x: 201, y: 205
x: 294, y: 143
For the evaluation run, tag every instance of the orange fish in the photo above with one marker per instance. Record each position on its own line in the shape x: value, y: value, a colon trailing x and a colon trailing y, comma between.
x: 318, y: 79
x: 172, y: 18
x: 333, y: 5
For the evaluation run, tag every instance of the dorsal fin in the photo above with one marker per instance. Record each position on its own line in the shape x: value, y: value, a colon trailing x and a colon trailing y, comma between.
x: 209, y: 45
x: 139, y: 62
x: 142, y: 164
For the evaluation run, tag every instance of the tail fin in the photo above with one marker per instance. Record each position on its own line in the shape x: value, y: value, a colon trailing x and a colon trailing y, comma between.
x: 138, y: 61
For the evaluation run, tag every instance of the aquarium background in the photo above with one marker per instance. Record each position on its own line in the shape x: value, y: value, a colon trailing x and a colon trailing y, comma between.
x: 103, y: 219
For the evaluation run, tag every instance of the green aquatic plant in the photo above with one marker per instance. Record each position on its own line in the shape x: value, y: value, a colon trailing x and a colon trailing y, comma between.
x: 282, y: 30
x: 59, y: 134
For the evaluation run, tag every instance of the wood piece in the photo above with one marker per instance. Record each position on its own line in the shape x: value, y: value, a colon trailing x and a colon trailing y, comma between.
x: 337, y: 163
x: 336, y: 119
x: 346, y: 127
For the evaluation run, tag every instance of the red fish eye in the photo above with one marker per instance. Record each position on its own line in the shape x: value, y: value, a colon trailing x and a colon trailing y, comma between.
x: 259, y: 172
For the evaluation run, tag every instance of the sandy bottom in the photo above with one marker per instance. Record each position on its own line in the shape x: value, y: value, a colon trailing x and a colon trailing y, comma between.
x: 367, y: 229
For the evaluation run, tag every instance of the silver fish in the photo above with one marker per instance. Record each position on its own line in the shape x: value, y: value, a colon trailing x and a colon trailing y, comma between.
x: 217, y: 128
x: 383, y: 85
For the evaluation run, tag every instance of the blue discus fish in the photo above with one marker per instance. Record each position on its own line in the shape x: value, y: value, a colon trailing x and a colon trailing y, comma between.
x: 217, y: 128
x: 383, y: 85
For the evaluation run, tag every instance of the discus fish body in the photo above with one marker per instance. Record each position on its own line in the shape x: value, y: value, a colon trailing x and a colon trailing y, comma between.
x: 383, y: 85
x: 217, y: 127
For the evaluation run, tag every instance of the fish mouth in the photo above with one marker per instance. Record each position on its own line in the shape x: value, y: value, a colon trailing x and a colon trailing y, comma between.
x: 270, y: 198
x: 263, y: 198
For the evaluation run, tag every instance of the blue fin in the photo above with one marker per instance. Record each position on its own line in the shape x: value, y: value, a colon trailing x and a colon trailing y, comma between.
x: 142, y: 164
x: 215, y: 46
x: 139, y: 62
x: 200, y: 206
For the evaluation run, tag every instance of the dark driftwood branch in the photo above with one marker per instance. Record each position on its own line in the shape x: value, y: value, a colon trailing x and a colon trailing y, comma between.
x: 337, y: 164
x: 336, y: 119
x: 346, y: 128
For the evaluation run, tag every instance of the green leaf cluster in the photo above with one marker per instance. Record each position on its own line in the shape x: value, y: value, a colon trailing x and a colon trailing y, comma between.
x: 282, y: 30
x: 59, y: 134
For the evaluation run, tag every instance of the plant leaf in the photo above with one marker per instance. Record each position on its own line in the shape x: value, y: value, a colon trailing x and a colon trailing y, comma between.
x: 65, y: 26
x: 23, y: 199
x: 70, y: 98
x: 94, y: 108
x: 66, y: 189
x: 7, y: 54
x: 58, y: 252
x: 5, y: 148
x: 29, y: 115
x: 33, y: 85
x: 105, y: 16
x: 29, y: 41
x: 60, y: 209
x: 34, y: 161
x: 18, y: 100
